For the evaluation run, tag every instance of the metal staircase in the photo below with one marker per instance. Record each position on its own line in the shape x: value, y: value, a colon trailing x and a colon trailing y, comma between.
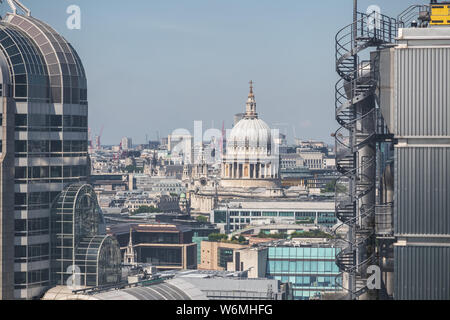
x: 357, y: 115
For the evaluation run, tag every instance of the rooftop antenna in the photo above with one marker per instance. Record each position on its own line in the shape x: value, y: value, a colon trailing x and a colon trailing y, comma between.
x: 16, y: 3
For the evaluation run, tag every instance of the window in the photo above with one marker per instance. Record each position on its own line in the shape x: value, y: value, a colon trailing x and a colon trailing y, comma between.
x: 20, y: 146
x: 21, y: 120
x: 20, y: 277
x: 20, y: 172
x: 56, y: 172
x: 56, y: 146
x: 20, y: 199
x: 270, y: 214
x: 55, y: 121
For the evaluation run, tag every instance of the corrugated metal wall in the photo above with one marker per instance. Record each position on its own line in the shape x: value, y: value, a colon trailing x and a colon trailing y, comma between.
x: 421, y: 273
x: 422, y: 189
x: 421, y: 111
x: 422, y: 92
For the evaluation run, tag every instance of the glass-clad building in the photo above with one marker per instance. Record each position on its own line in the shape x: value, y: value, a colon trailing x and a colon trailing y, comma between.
x: 235, y: 216
x: 43, y: 145
x: 80, y: 246
x: 311, y: 270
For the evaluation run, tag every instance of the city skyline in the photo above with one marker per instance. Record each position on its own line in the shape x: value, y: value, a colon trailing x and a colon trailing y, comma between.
x: 199, y: 56
x: 274, y: 210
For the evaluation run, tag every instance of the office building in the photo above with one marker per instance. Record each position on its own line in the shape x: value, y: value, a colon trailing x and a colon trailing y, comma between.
x: 238, y: 214
x: 216, y: 255
x: 311, y: 270
x: 127, y: 143
x: 44, y: 145
x: 165, y: 246
x: 308, y: 267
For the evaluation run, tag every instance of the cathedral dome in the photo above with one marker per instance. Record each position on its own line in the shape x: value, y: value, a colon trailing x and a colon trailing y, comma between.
x: 250, y: 160
x: 250, y: 133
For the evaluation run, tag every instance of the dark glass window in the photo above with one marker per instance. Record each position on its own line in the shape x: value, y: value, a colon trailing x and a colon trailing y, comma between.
x: 21, y: 91
x: 17, y: 59
x: 20, y: 225
x: 56, y: 146
x: 44, y: 172
x: 20, y: 172
x: 21, y: 79
x: 21, y: 120
x: 20, y: 199
x: 20, y: 277
x: 55, y: 121
x: 56, y: 172
x: 67, y: 172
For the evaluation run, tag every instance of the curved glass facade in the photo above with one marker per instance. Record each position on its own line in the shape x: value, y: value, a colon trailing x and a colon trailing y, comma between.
x: 44, y: 114
x: 27, y: 68
x: 79, y: 246
x: 66, y: 73
x: 98, y: 259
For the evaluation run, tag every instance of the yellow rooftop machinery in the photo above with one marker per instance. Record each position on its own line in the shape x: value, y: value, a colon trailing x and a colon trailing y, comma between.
x: 440, y: 14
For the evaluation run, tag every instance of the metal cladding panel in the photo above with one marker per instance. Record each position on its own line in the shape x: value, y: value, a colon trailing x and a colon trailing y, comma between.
x: 422, y: 273
x: 422, y: 92
x: 422, y: 191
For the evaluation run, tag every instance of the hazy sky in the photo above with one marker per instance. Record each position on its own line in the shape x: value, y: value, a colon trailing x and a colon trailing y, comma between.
x: 159, y: 65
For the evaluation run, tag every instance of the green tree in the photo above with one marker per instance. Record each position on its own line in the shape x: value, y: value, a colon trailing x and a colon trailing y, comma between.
x: 217, y: 237
x: 272, y: 236
x: 333, y: 186
x: 242, y: 239
x: 311, y: 234
x: 202, y: 219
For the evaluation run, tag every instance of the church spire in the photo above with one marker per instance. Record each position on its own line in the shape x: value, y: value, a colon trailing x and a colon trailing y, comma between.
x: 130, y: 243
x: 251, y: 104
x: 129, y: 256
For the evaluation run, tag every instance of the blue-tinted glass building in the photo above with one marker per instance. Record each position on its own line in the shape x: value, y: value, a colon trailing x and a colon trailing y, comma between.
x: 311, y: 270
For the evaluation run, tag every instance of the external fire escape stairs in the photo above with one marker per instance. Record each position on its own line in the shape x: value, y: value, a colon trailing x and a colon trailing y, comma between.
x: 358, y: 116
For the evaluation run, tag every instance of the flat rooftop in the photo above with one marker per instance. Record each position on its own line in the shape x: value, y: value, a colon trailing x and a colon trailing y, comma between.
x: 278, y: 205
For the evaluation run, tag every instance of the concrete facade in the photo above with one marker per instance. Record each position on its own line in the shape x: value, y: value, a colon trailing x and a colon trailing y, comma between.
x: 210, y: 254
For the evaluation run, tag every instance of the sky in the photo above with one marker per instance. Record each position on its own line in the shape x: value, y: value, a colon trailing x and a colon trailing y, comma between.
x: 154, y: 66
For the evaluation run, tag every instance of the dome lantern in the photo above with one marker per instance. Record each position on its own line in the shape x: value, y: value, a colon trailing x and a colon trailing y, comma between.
x: 251, y: 105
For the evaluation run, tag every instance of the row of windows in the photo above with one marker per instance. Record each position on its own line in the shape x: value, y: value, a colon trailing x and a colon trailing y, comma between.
x: 50, y: 155
x: 31, y: 227
x: 304, y: 288
x: 45, y: 146
x: 50, y: 172
x: 301, y: 267
x: 31, y: 277
x: 242, y: 220
x: 278, y: 214
x: 47, y: 120
x: 311, y: 281
x: 32, y: 253
x: 303, y: 253
x: 34, y: 199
